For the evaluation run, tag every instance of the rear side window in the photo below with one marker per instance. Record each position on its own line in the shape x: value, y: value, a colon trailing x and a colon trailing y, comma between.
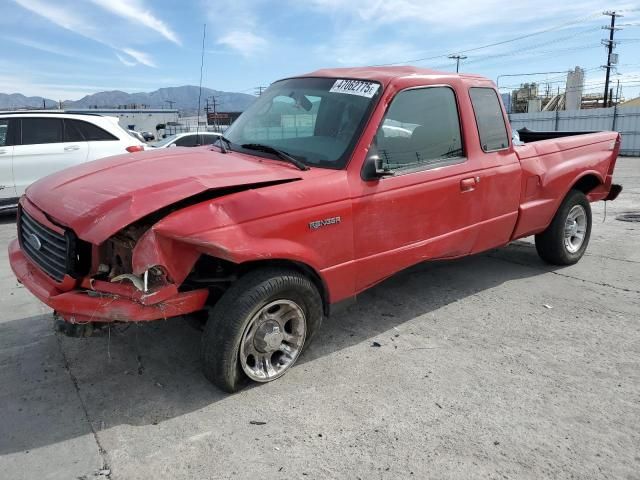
x: 91, y: 132
x: 489, y: 118
x: 37, y: 131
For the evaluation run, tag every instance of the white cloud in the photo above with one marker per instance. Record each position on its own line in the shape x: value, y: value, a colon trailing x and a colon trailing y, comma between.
x: 140, y: 57
x: 82, y: 26
x: 55, y: 49
x: 462, y: 13
x: 235, y: 23
x: 245, y: 42
x: 56, y: 15
x: 125, y: 62
x: 137, y: 13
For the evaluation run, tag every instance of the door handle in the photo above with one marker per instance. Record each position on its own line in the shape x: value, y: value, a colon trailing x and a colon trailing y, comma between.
x: 469, y: 184
x: 71, y: 148
x: 2, y: 152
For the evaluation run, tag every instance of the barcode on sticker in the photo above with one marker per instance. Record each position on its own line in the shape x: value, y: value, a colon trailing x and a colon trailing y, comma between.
x: 355, y: 87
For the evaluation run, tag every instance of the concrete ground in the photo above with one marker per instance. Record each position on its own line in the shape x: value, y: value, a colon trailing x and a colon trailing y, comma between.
x: 495, y: 366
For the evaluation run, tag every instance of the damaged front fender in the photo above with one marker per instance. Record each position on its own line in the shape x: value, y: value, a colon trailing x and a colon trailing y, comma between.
x: 176, y: 258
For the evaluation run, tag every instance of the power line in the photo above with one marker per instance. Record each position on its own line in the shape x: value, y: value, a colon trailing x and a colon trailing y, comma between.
x: 495, y: 44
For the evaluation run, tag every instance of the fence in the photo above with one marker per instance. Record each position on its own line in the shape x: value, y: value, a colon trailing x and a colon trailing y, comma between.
x: 625, y: 120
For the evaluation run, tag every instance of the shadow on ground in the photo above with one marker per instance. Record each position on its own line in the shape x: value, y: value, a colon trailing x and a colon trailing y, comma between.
x: 6, y: 218
x: 145, y: 374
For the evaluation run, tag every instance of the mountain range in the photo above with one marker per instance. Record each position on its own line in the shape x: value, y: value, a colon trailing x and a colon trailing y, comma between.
x: 184, y: 98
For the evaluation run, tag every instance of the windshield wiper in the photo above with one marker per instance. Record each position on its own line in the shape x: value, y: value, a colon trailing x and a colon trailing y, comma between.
x: 223, y: 148
x: 278, y: 153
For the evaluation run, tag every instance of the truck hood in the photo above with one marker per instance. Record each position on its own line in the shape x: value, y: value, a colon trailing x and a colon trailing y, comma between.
x: 99, y: 198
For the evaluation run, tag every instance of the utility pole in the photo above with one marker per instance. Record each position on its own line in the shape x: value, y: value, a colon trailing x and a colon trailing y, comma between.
x: 214, y: 103
x: 610, y: 44
x: 457, y: 58
x: 259, y: 90
x: 171, y: 103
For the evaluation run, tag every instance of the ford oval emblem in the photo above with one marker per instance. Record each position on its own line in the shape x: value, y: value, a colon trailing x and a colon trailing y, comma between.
x: 33, y: 240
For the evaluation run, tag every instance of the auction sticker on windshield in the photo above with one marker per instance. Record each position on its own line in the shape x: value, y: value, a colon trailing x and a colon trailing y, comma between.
x: 355, y: 87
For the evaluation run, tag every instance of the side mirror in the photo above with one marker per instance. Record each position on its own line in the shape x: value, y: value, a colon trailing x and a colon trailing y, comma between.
x: 172, y: 145
x: 374, y: 167
x: 381, y: 169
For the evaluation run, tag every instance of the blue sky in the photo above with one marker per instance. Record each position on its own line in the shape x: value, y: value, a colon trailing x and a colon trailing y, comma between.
x: 66, y: 49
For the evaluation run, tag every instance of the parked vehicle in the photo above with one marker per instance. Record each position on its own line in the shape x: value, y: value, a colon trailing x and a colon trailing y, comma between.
x: 136, y: 135
x: 187, y: 139
x: 35, y: 144
x: 307, y: 201
x: 148, y: 136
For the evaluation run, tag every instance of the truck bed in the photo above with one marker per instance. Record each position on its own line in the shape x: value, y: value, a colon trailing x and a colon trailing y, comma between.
x: 529, y: 136
x: 551, y: 165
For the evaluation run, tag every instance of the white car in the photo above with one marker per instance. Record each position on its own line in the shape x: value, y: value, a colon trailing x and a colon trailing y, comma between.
x: 35, y: 144
x: 188, y: 139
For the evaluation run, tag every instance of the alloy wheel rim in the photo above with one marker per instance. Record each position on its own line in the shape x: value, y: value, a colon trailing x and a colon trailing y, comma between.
x: 575, y: 228
x: 272, y: 340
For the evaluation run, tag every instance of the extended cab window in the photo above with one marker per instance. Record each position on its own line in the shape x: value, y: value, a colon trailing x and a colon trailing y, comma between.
x: 37, y: 131
x: 421, y: 129
x: 491, y: 127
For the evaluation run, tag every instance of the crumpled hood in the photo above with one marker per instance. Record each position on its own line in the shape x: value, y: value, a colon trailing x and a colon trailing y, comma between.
x: 99, y: 198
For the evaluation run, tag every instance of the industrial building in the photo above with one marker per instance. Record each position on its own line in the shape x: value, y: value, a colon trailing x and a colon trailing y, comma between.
x: 139, y: 119
x: 540, y: 97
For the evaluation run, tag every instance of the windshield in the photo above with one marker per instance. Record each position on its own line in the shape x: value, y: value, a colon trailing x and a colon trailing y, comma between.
x: 165, y: 141
x: 315, y: 120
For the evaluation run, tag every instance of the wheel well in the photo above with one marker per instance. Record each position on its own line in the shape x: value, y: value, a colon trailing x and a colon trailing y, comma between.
x: 219, y: 274
x: 300, y: 267
x: 586, y: 183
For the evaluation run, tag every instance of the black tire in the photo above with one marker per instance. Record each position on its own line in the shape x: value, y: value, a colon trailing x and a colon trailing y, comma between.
x: 550, y: 244
x: 230, y: 316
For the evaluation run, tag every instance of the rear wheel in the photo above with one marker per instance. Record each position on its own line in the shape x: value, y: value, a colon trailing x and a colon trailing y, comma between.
x: 259, y: 327
x: 565, y: 240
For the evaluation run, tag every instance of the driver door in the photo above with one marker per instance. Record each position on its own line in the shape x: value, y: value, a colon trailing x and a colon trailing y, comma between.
x: 429, y: 206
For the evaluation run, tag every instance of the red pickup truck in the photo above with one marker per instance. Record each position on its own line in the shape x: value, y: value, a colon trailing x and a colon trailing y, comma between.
x: 329, y: 183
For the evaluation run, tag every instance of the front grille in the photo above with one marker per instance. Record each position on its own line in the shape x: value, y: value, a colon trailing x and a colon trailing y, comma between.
x: 47, y: 248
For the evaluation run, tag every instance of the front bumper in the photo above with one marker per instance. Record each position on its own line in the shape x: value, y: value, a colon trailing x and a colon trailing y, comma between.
x: 86, y: 305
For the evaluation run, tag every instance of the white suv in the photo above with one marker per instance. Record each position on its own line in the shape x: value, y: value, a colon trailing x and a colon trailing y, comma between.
x: 35, y: 144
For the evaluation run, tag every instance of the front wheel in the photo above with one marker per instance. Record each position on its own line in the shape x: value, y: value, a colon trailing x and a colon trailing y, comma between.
x: 565, y: 240
x: 259, y: 328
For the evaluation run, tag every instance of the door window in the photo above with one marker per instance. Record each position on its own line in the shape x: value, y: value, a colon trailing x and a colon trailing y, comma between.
x: 37, y: 131
x: 491, y: 127
x: 209, y: 139
x: 72, y: 132
x: 420, y: 130
x: 187, y: 141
